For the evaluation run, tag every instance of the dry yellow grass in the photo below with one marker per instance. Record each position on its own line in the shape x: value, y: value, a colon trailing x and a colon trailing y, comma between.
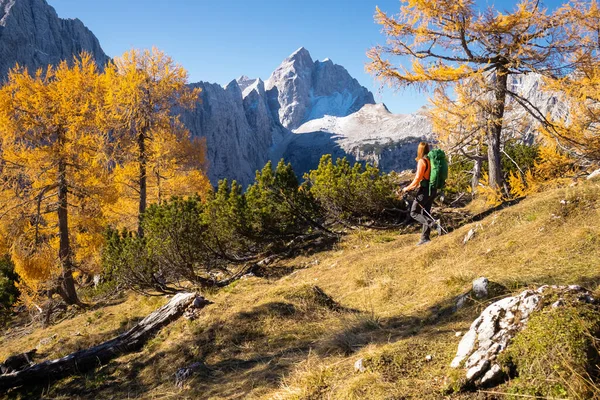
x: 272, y: 338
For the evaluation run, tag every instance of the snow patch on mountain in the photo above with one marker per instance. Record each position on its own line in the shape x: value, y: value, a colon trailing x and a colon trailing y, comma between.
x: 304, y: 89
x: 373, y: 134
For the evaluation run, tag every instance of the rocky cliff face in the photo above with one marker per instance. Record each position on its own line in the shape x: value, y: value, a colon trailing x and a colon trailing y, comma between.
x: 32, y: 34
x: 301, y: 90
x: 547, y: 103
x: 246, y: 124
x: 372, y: 135
x: 239, y: 128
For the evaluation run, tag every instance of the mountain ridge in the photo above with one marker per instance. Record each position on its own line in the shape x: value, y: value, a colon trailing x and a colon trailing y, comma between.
x: 32, y: 35
x: 305, y: 109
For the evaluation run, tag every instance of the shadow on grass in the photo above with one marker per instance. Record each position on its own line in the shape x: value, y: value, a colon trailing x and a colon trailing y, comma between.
x: 259, y: 346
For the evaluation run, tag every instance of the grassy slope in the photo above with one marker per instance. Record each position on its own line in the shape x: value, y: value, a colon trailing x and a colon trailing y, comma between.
x: 273, y: 338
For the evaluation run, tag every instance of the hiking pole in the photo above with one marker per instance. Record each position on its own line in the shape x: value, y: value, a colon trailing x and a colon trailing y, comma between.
x: 427, y: 213
x: 436, y: 221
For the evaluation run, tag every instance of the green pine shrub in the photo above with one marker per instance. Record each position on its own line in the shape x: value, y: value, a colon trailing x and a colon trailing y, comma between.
x: 9, y: 293
x: 353, y: 193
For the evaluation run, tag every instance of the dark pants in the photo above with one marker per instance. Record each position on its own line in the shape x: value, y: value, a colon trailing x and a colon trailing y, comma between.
x: 422, y: 202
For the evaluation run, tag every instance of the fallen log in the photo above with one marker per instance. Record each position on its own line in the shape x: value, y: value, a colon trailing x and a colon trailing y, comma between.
x: 87, y: 359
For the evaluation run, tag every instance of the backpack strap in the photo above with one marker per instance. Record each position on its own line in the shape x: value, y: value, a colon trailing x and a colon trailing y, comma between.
x: 428, y: 168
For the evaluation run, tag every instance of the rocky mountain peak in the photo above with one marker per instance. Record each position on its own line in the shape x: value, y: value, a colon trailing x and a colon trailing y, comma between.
x: 301, y: 56
x: 32, y: 34
x: 304, y: 89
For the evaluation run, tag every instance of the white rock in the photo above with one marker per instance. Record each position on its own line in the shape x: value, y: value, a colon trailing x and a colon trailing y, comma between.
x: 594, y: 175
x: 359, y: 366
x: 491, y: 375
x: 428, y: 357
x: 469, y: 236
x: 465, y: 347
x: 491, y: 332
x: 458, y: 334
x: 480, y: 287
x: 477, y: 370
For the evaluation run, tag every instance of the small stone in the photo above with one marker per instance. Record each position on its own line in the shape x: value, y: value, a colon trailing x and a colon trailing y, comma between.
x: 558, y: 303
x: 458, y: 334
x: 428, y: 358
x: 47, y: 340
x: 469, y: 236
x: 594, y: 175
x: 199, y: 302
x: 359, y: 366
x: 183, y: 374
x: 480, y: 287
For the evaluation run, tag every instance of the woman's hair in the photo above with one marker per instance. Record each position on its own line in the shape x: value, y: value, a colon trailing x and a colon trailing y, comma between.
x: 422, y: 151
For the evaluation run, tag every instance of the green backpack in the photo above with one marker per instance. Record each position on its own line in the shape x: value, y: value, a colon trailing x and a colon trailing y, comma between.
x: 439, y: 169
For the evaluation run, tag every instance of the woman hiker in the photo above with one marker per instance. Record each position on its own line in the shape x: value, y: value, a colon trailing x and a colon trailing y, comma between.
x: 421, y: 207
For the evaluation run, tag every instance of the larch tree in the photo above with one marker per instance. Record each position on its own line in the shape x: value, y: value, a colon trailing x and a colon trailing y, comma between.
x: 578, y: 132
x: 53, y: 168
x: 460, y: 122
x: 450, y: 41
x: 146, y: 88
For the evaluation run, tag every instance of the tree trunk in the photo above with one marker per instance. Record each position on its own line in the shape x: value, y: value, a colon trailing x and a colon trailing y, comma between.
x: 495, y: 129
x: 87, y: 359
x: 476, y: 174
x: 143, y: 161
x: 67, y: 285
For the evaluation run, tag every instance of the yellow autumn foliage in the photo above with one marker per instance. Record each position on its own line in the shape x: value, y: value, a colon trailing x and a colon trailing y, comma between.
x: 443, y: 45
x: 66, y: 180
x: 155, y: 158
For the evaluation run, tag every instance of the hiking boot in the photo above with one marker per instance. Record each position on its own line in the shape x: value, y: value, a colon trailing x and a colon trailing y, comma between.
x: 423, y: 241
x: 435, y: 224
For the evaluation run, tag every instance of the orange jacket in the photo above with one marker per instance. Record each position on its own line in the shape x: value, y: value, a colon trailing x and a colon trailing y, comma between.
x: 423, y: 172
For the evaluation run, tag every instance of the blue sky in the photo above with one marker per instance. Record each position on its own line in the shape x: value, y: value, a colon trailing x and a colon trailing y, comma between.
x: 217, y: 41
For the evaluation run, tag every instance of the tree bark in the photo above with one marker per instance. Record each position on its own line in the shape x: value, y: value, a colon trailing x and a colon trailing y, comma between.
x: 143, y: 164
x: 67, y: 284
x: 476, y: 174
x: 85, y: 360
x: 495, y: 129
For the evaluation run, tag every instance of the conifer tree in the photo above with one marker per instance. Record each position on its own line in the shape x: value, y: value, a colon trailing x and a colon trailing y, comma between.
x: 461, y: 121
x: 146, y: 88
x: 578, y: 131
x: 449, y: 41
x: 53, y: 168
